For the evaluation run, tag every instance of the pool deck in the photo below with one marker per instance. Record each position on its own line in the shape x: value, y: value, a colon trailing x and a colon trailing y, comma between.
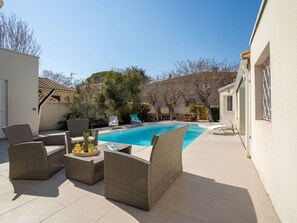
x: 219, y: 184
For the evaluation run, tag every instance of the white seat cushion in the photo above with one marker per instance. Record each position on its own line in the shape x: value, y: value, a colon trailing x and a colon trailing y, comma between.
x: 53, y: 149
x: 80, y: 139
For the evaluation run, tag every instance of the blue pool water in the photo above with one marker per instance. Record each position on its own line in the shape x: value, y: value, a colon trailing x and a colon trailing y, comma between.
x: 142, y: 136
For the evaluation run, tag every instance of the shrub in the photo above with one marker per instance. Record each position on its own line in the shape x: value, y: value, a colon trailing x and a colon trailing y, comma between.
x: 142, y: 110
x: 215, y: 113
x: 193, y: 108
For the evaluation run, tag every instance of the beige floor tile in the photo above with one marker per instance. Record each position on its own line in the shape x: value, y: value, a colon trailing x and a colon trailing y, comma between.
x: 6, y: 186
x: 68, y: 194
x: 232, y: 169
x: 70, y: 216
x: 202, y: 172
x: 144, y: 154
x: 5, y: 173
x: 10, y: 201
x: 2, y: 177
x: 226, y: 211
x: 233, y: 193
x: 89, y: 208
x: 194, y: 184
x: 234, y: 180
x: 170, y: 217
x: 42, y: 188
x: 4, y: 166
x: 197, y: 205
x: 34, y: 211
x: 116, y: 215
x: 139, y: 214
x: 95, y: 205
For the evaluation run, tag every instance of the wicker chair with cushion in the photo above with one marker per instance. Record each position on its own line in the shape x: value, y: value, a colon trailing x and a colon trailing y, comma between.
x: 138, y: 182
x: 76, y: 127
x: 33, y: 158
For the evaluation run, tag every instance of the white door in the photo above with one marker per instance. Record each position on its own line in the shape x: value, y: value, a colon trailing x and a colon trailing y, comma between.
x: 3, y: 106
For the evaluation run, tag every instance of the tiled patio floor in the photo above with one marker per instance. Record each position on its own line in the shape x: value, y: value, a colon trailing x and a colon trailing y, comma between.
x: 219, y: 184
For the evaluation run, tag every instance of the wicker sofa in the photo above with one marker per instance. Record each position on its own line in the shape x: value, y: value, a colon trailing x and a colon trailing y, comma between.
x: 33, y: 158
x: 138, y: 182
x: 76, y: 127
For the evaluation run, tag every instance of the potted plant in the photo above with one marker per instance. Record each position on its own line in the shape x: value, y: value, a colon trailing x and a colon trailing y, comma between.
x: 86, y: 141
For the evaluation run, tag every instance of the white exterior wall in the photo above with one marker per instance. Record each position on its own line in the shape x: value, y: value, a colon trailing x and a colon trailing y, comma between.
x: 20, y: 71
x: 226, y: 116
x: 51, y: 114
x: 241, y: 110
x: 274, y: 144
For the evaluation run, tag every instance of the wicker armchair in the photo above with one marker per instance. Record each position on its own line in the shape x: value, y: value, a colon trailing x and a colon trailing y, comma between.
x: 140, y: 183
x: 35, y: 159
x: 76, y: 127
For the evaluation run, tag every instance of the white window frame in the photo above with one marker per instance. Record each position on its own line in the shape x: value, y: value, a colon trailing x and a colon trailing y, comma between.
x: 266, y: 90
x: 227, y: 104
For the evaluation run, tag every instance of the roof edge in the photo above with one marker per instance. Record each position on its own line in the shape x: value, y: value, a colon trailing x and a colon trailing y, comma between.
x: 241, y: 72
x: 24, y: 54
x: 230, y: 86
x: 259, y: 16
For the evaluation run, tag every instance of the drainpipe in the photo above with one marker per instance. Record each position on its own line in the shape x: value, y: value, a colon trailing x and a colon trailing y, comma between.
x: 43, y: 102
x: 247, y: 107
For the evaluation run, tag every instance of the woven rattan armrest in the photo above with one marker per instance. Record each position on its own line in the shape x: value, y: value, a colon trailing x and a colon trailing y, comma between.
x: 51, y: 139
x: 127, y: 179
x: 28, y: 147
x: 94, y: 133
x: 28, y: 161
x: 68, y: 142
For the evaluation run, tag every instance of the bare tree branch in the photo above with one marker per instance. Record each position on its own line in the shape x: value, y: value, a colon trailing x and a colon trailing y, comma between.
x: 16, y: 35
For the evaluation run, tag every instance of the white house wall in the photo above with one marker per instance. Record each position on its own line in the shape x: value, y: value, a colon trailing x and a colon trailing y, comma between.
x: 20, y: 71
x: 51, y: 114
x: 274, y: 144
x: 226, y: 116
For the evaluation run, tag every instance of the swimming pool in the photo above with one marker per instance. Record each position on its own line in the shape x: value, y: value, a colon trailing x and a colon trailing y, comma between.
x: 142, y: 136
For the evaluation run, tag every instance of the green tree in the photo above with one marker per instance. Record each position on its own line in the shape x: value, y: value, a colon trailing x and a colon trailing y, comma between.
x: 133, y: 85
x: 114, y: 90
x: 88, y: 102
x: 145, y: 78
x: 97, y: 78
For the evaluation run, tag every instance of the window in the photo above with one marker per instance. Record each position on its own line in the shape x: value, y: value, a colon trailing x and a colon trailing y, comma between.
x: 266, y: 89
x: 57, y: 97
x: 262, y: 83
x: 229, y: 103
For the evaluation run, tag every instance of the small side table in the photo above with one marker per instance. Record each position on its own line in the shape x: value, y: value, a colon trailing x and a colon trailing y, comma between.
x: 90, y: 169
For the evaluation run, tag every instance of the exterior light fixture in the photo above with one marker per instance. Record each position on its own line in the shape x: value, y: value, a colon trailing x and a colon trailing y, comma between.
x: 1, y: 3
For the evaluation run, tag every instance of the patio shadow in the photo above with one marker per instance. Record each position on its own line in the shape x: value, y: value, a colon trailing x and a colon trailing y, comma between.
x: 43, y: 188
x: 97, y: 188
x: 3, y: 151
x: 192, y: 198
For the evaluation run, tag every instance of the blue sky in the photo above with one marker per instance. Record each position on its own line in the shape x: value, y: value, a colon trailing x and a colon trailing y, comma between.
x: 84, y: 37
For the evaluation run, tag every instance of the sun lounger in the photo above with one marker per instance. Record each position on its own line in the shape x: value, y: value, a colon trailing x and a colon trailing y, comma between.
x: 113, y: 121
x: 221, y: 128
x: 135, y: 119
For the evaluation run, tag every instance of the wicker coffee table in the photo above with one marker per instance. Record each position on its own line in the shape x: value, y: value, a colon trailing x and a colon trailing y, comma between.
x: 90, y: 169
